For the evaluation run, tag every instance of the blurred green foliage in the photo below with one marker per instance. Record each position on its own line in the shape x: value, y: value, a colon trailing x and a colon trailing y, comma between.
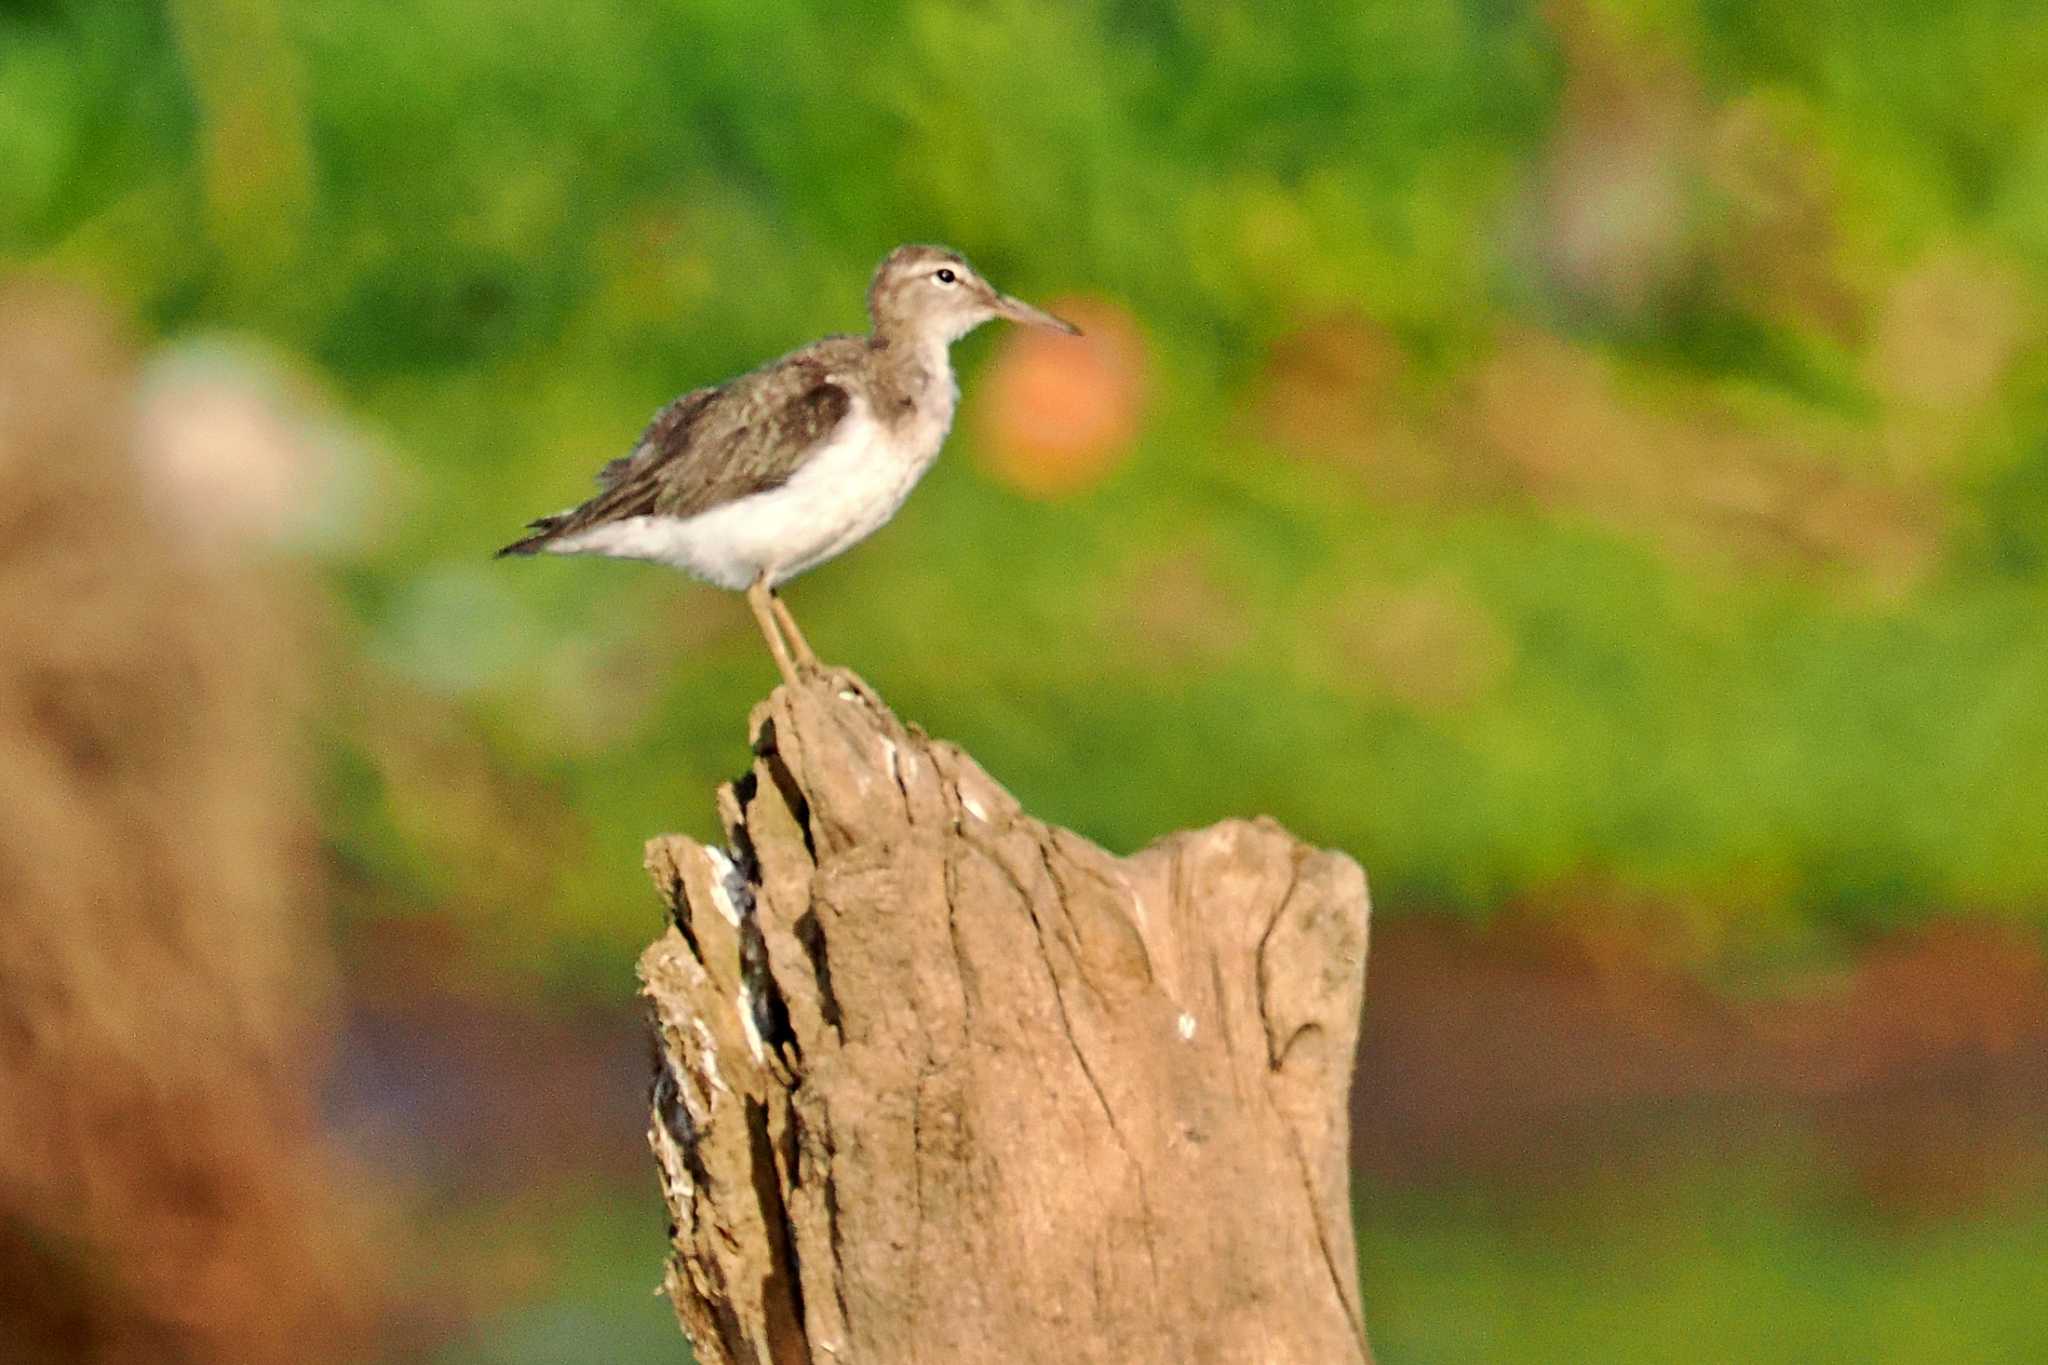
x: 597, y: 1301
x: 1714, y: 1260
x: 503, y: 232
x: 1761, y: 1252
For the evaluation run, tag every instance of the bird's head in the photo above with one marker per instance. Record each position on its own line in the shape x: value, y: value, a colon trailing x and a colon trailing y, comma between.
x: 928, y: 291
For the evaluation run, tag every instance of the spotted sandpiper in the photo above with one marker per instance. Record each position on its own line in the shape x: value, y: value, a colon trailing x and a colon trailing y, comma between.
x: 748, y: 483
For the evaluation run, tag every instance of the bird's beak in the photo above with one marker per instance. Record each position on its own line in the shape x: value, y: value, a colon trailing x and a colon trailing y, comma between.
x: 1016, y: 310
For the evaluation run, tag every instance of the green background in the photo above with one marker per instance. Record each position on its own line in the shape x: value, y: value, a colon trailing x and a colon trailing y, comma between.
x: 1674, y: 537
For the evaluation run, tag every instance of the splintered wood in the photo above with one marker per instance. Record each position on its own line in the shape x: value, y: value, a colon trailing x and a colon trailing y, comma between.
x: 940, y: 1083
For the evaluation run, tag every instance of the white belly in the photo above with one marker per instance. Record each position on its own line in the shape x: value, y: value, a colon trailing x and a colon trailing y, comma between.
x: 842, y: 495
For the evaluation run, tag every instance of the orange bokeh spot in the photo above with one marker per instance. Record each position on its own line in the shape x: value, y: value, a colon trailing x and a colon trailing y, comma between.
x: 1055, y: 413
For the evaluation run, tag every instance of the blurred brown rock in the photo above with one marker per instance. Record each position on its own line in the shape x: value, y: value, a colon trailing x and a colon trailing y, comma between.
x: 163, y: 1196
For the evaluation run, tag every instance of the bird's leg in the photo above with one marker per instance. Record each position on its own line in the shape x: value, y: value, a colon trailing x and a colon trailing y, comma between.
x: 759, y: 598
x: 805, y: 657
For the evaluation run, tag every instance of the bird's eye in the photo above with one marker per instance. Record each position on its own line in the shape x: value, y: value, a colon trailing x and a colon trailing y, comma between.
x: 945, y: 276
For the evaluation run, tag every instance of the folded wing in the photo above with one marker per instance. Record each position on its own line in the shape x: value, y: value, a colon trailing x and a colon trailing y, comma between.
x: 710, y: 446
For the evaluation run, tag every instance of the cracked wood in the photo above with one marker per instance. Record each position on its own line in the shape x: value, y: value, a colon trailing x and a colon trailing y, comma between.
x: 940, y: 1083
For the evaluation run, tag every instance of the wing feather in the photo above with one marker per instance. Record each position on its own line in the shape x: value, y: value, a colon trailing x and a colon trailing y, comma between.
x: 711, y: 446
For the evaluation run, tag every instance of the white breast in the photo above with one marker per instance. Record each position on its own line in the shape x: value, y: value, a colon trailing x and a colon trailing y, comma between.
x: 842, y: 494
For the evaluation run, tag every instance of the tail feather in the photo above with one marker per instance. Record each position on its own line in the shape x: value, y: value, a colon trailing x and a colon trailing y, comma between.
x: 544, y: 529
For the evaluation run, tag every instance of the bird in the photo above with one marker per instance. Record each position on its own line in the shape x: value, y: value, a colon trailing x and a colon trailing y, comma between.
x: 748, y: 483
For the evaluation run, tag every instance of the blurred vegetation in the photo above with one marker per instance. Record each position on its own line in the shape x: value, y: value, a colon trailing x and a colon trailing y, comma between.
x: 1594, y: 452
x: 1715, y: 1260
x: 1757, y: 1254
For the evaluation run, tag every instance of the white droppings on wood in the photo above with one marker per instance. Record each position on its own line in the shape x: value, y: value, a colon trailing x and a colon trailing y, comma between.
x: 849, y: 696
x: 889, y: 754
x: 675, y: 1173
x: 727, y: 886
x: 711, y: 1072
x: 973, y: 807
x: 744, y: 1004
x: 1186, y: 1025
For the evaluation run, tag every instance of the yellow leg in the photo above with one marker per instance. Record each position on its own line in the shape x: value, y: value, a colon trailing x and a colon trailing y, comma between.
x: 804, y: 656
x: 760, y: 599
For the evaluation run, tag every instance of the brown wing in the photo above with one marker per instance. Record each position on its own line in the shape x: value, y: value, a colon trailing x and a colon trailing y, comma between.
x: 752, y: 441
x: 711, y: 446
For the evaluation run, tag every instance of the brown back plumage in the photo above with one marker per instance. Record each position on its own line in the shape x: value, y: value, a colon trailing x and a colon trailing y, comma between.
x: 717, y: 444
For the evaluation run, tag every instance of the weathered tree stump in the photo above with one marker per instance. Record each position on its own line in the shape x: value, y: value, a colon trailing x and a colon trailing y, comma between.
x: 940, y: 1083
